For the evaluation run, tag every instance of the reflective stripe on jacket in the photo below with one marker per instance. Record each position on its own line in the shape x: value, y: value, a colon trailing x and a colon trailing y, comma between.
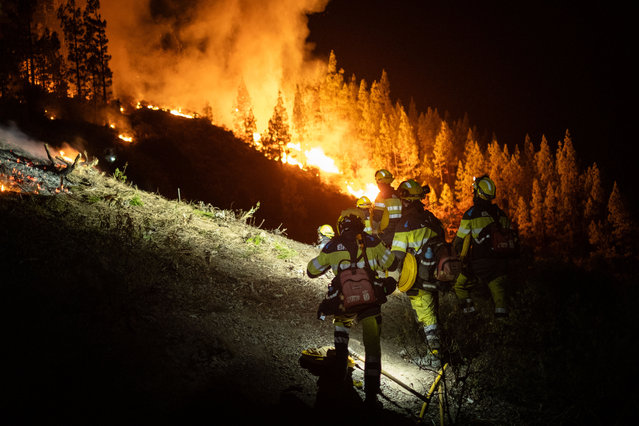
x: 473, y: 222
x: 332, y: 255
x: 412, y: 232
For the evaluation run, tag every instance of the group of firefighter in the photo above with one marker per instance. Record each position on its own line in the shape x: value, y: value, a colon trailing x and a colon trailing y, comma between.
x: 397, y: 234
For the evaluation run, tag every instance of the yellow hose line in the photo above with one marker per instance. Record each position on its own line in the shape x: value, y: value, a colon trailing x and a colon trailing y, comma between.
x: 432, y: 389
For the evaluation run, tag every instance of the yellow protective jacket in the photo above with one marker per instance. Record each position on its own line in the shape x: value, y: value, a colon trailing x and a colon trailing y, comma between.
x: 387, y: 204
x: 473, y: 223
x: 337, y: 250
x: 367, y: 220
x: 414, y: 233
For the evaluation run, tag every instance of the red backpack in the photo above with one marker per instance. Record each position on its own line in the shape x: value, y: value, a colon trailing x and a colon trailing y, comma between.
x: 502, y: 241
x: 448, y: 263
x: 356, y: 283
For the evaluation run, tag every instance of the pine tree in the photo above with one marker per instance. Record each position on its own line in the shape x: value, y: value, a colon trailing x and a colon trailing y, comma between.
x: 447, y: 209
x: 278, y: 136
x: 544, y: 164
x: 300, y: 126
x: 96, y: 48
x: 74, y: 30
x: 513, y: 177
x: 496, y: 163
x: 568, y: 174
x: 473, y: 166
x: 594, y: 194
x: 330, y: 87
x: 527, y: 166
x: 442, y: 154
x: 621, y: 227
x: 49, y: 64
x: 428, y: 127
x: 244, y: 123
x: 30, y: 51
x: 406, y: 146
x: 551, y: 218
x: 537, y: 214
x: 522, y: 219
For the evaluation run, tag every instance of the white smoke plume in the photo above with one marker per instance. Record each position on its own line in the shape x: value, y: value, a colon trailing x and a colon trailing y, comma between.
x: 13, y: 138
x: 193, y: 53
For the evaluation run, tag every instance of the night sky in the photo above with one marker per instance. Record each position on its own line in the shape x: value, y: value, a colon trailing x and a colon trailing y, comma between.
x: 515, y: 68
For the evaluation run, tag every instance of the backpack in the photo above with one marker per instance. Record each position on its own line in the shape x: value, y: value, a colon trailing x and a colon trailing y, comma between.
x: 356, y: 284
x: 502, y: 241
x: 448, y: 265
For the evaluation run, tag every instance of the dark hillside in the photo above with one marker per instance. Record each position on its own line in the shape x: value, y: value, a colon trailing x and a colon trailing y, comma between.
x: 206, y: 163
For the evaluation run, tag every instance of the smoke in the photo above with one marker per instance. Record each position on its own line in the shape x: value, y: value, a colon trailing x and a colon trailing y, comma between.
x: 194, y: 54
x: 13, y: 138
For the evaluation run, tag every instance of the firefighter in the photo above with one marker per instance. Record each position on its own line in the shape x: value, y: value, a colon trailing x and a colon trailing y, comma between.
x: 480, y: 265
x: 354, y: 248
x: 364, y: 203
x: 324, y: 234
x: 387, y: 210
x: 417, y: 233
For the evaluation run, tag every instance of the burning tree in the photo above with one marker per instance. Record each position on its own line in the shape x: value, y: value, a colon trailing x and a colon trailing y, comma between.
x: 278, y: 135
x: 244, y: 121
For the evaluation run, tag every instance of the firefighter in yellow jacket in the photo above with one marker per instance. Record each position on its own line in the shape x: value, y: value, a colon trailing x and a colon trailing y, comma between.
x: 352, y: 248
x: 417, y: 233
x: 387, y: 208
x: 324, y: 234
x: 366, y: 206
x: 472, y: 241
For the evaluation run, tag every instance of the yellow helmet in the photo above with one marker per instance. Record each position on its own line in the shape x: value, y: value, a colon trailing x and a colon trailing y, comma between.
x: 411, y: 190
x: 484, y: 187
x: 326, y: 231
x: 384, y: 176
x: 350, y: 220
x: 409, y: 273
x: 364, y: 202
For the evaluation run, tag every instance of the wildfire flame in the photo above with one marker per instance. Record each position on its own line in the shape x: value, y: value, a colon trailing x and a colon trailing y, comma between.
x: 22, y: 177
x: 68, y: 157
x: 371, y: 191
x: 294, y: 155
x: 179, y: 113
x: 316, y: 157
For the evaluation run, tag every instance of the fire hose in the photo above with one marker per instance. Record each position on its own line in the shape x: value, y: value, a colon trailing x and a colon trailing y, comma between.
x: 426, y: 399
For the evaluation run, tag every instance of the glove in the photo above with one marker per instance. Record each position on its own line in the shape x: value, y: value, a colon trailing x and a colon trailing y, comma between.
x: 390, y: 284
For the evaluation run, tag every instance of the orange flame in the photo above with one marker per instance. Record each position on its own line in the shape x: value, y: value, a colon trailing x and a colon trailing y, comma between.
x: 316, y: 157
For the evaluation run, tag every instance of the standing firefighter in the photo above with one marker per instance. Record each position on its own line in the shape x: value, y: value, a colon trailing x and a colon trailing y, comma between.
x: 419, y: 234
x: 388, y: 207
x: 356, y: 293
x: 365, y: 205
x: 485, y: 240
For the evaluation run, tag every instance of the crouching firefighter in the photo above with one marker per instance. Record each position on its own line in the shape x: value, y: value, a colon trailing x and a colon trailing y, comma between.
x: 356, y: 293
x: 418, y: 236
